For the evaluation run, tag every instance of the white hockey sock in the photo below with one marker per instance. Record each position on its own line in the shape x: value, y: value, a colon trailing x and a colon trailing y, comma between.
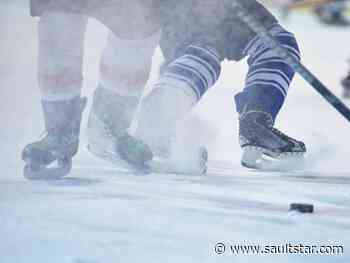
x: 179, y: 88
x: 126, y: 64
x: 61, y: 49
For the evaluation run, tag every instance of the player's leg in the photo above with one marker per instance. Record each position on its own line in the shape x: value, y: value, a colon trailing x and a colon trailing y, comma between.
x: 60, y: 54
x: 197, y: 67
x: 267, y: 84
x: 124, y: 70
x: 192, y: 66
x: 181, y: 85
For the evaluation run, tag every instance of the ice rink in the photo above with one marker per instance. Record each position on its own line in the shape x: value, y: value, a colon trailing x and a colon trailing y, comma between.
x: 99, y: 215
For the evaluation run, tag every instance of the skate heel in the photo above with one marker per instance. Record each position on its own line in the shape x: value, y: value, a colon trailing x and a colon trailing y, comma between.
x: 252, y: 157
x: 55, y: 171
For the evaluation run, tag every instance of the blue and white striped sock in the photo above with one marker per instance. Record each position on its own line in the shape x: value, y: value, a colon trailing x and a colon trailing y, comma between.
x: 196, y: 70
x: 269, y: 75
x: 180, y: 86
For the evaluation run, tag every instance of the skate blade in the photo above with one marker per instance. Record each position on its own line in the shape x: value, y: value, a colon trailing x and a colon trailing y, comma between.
x: 156, y: 165
x: 55, y: 171
x: 173, y: 166
x: 260, y: 159
x: 115, y: 160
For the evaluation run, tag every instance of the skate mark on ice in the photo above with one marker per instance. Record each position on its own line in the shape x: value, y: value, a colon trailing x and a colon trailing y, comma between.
x: 107, y: 169
x: 225, y: 168
x: 75, y: 181
x: 84, y: 260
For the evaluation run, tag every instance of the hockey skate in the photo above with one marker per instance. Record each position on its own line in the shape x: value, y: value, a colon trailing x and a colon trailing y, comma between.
x: 174, y: 158
x: 51, y: 157
x: 132, y: 154
x: 110, y: 117
x: 265, y: 147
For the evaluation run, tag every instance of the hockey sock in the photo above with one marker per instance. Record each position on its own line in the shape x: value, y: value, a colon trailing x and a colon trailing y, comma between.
x: 126, y: 64
x: 182, y: 83
x: 60, y: 55
x: 196, y: 70
x: 269, y: 75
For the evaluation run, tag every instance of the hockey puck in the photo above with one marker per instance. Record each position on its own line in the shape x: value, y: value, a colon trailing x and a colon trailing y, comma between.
x: 302, y: 208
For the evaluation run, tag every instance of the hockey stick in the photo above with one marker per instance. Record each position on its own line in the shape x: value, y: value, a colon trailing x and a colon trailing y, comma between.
x: 257, y: 27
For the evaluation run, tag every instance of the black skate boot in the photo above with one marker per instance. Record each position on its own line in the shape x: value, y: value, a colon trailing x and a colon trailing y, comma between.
x: 110, y: 117
x: 265, y: 147
x: 346, y: 86
x: 51, y: 157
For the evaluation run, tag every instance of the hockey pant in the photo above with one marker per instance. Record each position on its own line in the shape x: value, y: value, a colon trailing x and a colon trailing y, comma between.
x: 124, y: 67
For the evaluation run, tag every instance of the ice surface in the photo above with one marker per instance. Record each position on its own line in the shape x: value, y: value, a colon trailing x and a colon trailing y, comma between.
x: 100, y: 215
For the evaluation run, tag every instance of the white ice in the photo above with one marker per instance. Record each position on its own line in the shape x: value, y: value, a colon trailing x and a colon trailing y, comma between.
x: 100, y: 215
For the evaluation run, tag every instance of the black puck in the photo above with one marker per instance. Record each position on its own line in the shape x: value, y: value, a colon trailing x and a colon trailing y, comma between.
x: 302, y: 208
